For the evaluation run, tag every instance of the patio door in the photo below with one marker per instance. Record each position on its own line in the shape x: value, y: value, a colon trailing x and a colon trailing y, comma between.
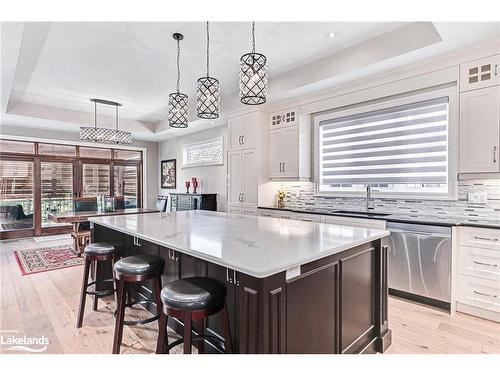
x: 56, y: 190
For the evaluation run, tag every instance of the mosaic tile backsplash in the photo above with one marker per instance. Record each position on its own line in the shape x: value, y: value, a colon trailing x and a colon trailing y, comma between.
x: 301, y: 196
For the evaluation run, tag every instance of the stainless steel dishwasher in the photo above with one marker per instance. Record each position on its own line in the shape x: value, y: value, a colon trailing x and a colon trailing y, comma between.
x: 420, y: 263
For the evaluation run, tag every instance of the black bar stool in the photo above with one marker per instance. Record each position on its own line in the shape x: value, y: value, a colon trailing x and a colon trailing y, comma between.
x: 94, y: 253
x: 132, y: 269
x: 193, y: 298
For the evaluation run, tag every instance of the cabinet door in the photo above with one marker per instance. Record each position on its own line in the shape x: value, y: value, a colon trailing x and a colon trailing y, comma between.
x: 290, y: 139
x: 250, y: 176
x: 235, y: 125
x: 235, y: 180
x: 276, y: 153
x: 251, y: 128
x: 480, y: 130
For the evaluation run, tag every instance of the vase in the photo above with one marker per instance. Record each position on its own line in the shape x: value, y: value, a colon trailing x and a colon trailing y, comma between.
x: 281, y: 203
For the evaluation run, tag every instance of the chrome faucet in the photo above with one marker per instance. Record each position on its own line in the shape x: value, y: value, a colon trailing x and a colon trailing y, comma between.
x: 369, y: 198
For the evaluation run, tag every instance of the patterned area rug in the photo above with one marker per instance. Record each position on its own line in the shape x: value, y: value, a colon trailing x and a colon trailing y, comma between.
x: 46, y: 259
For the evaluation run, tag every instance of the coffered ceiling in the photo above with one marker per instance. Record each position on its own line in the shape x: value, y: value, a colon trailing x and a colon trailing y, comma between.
x: 51, y: 70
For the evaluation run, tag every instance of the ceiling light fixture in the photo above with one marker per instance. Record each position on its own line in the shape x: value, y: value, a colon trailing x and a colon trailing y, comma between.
x: 178, y: 110
x: 105, y: 135
x: 253, y: 76
x: 332, y: 35
x: 208, y: 91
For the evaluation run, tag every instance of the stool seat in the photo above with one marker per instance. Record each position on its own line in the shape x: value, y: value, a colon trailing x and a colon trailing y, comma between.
x: 194, y: 293
x: 99, y: 248
x: 139, y: 264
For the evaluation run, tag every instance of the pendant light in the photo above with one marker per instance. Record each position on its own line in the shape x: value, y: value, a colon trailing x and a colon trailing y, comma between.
x: 177, y: 101
x: 105, y: 135
x: 208, y: 91
x: 253, y: 76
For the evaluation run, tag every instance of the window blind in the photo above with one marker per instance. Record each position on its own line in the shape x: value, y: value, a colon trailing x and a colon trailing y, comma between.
x: 407, y: 144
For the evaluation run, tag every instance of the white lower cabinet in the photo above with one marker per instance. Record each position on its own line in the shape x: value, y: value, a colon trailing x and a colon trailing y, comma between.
x: 237, y: 209
x: 479, y: 272
x: 326, y: 219
x: 354, y: 222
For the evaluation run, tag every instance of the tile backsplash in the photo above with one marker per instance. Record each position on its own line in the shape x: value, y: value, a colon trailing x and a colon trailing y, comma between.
x: 301, y: 196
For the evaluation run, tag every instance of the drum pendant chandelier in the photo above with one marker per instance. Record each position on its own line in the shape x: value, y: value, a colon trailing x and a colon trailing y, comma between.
x: 178, y: 110
x: 105, y: 135
x: 253, y: 76
x: 208, y: 92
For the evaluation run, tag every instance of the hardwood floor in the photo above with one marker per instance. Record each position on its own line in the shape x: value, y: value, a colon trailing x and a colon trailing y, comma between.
x: 46, y: 304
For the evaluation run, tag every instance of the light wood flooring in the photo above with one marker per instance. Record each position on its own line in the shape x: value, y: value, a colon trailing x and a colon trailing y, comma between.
x: 46, y: 304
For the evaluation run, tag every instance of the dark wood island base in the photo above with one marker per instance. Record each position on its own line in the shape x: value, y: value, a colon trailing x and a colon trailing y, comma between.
x: 338, y: 304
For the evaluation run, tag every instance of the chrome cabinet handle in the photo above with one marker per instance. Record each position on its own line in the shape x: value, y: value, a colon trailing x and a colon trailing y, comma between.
x: 485, y: 294
x: 486, y: 238
x: 496, y: 69
x: 485, y: 264
x: 280, y: 167
x: 136, y: 242
x: 228, y: 279
x: 243, y: 197
x: 494, y: 154
x: 235, y: 278
x: 242, y: 139
x: 283, y: 167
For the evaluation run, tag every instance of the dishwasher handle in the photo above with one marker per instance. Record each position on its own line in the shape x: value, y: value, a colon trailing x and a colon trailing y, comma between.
x: 427, y: 234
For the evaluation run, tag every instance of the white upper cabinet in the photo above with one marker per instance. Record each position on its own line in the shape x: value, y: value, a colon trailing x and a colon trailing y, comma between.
x: 480, y: 130
x: 290, y: 148
x: 244, y: 131
x: 247, y: 161
x: 480, y: 73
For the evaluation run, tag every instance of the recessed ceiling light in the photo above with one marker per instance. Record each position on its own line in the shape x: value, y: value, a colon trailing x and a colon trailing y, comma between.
x: 332, y: 35
x: 212, y: 122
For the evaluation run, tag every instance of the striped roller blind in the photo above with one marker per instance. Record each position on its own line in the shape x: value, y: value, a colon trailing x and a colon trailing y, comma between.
x: 406, y: 144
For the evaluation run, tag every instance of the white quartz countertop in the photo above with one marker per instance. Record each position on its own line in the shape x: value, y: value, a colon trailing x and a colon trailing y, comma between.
x: 254, y: 245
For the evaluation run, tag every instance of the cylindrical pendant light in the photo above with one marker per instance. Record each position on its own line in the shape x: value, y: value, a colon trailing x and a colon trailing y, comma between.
x: 208, y: 91
x: 178, y: 110
x: 253, y: 76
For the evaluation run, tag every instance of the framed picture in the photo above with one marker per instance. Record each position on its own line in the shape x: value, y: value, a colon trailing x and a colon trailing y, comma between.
x: 168, y: 174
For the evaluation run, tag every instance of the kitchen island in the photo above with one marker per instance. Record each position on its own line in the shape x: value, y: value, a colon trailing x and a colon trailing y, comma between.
x: 293, y: 287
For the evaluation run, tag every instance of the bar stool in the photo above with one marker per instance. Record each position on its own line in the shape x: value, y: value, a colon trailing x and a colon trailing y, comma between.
x: 133, y: 269
x: 94, y: 253
x: 193, y: 298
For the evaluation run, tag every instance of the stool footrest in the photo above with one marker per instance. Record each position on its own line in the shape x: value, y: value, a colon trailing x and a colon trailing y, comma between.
x: 143, y: 321
x: 199, y: 337
x: 100, y: 293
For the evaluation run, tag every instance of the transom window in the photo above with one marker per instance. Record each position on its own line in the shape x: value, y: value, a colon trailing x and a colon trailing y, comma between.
x: 397, y: 149
x: 208, y: 152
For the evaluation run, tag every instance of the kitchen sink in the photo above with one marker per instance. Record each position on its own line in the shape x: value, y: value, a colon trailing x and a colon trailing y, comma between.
x: 362, y: 213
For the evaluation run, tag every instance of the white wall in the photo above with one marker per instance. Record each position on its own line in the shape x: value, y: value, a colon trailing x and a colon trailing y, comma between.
x: 151, y: 166
x: 212, y: 178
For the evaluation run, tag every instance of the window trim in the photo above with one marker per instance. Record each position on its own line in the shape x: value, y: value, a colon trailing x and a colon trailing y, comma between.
x: 450, y: 92
x: 201, y: 164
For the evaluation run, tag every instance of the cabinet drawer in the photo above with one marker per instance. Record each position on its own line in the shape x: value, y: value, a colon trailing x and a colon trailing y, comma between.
x: 479, y: 292
x: 480, y: 237
x: 249, y: 211
x: 312, y: 218
x: 270, y: 213
x: 354, y: 222
x: 480, y: 262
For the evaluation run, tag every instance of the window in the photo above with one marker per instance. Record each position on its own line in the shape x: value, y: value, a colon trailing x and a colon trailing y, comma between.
x: 6, y: 145
x: 95, y: 179
x: 95, y: 153
x: 399, y: 149
x: 56, y: 179
x: 56, y: 150
x: 126, y: 182
x: 209, y: 152
x: 127, y: 155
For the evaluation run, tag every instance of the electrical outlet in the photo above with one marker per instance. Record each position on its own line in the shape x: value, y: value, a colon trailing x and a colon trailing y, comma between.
x: 478, y: 197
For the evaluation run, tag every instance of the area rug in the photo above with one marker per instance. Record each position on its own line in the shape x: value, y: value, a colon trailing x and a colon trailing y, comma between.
x: 46, y: 259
